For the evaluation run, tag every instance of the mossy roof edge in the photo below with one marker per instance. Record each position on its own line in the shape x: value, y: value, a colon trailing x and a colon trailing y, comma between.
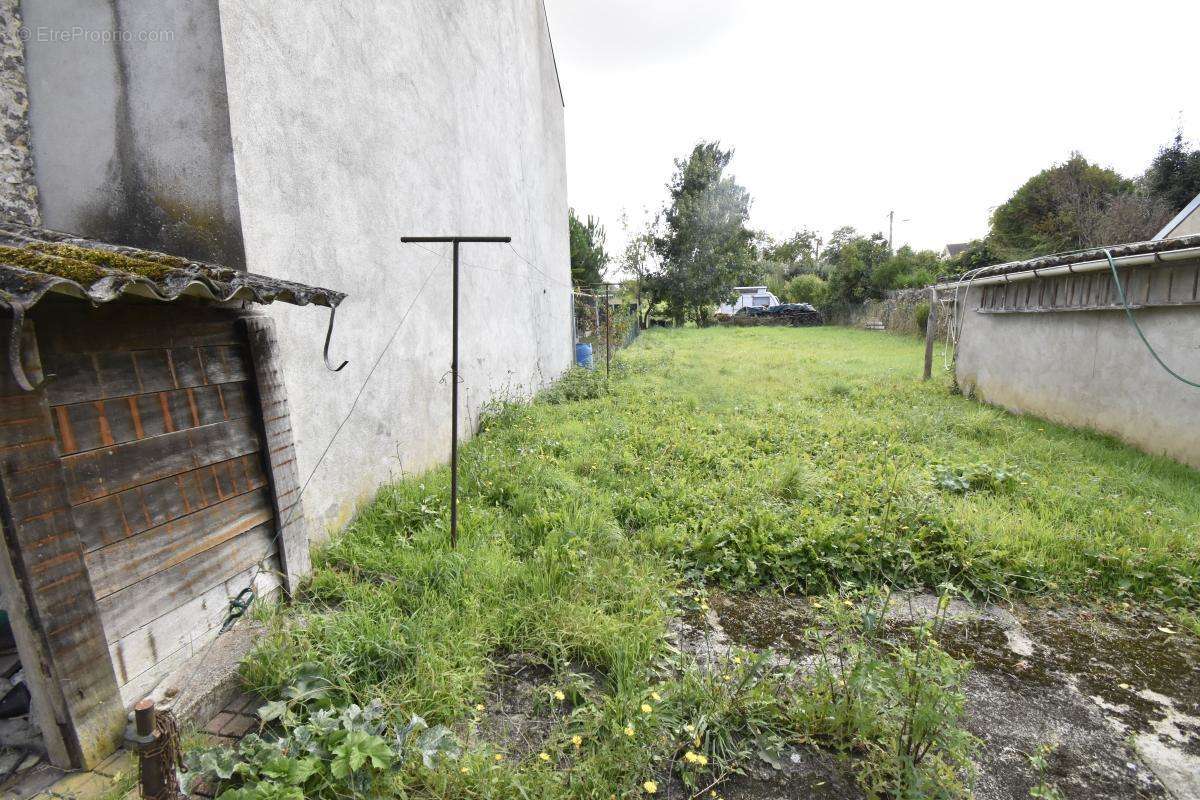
x: 34, y: 261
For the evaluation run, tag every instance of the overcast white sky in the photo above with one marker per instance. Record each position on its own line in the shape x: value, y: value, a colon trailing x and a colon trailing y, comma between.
x: 841, y: 111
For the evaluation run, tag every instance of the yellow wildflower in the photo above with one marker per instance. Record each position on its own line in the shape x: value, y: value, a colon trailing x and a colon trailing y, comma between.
x: 650, y: 786
x: 689, y: 757
x: 737, y: 659
x: 702, y: 759
x: 629, y: 730
x: 577, y: 740
x: 647, y: 708
x: 497, y: 757
x: 479, y: 706
x: 464, y: 770
x: 544, y: 756
x: 655, y: 697
x: 559, y: 696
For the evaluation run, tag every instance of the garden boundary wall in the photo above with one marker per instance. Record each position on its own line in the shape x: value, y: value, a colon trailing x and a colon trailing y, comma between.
x: 1061, y: 346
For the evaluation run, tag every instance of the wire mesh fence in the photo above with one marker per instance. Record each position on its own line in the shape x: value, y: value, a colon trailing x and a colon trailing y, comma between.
x: 605, y: 322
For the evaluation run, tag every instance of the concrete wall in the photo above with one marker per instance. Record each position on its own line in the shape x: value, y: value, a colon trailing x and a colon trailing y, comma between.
x: 354, y: 124
x: 1089, y: 369
x: 130, y: 124
x: 1188, y: 226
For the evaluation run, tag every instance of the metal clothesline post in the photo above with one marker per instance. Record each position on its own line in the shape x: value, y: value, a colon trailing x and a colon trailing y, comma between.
x: 456, y: 241
x: 607, y: 330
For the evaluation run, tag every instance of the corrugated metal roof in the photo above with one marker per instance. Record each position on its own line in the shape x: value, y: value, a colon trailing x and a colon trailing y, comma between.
x: 34, y: 261
x: 1093, y: 254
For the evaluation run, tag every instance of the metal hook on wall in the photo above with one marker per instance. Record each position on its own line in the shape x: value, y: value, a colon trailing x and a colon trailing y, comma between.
x: 329, y: 335
x: 15, y: 337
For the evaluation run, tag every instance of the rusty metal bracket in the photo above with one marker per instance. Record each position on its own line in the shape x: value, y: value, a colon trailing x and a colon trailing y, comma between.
x: 329, y: 335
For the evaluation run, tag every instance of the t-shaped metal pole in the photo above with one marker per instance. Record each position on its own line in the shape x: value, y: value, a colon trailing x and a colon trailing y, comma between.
x: 456, y: 241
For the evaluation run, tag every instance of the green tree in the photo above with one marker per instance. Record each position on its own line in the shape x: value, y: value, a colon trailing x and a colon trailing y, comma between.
x: 588, y: 259
x: 979, y: 253
x: 797, y: 254
x: 1174, y: 174
x: 638, y: 259
x: 704, y: 245
x: 807, y: 288
x: 907, y: 269
x: 1061, y: 208
x: 853, y: 261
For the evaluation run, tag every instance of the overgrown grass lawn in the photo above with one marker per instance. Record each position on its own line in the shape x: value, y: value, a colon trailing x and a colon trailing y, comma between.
x: 804, y: 460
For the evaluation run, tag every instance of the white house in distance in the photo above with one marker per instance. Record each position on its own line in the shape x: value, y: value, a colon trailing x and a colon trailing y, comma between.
x: 1185, y: 223
x: 749, y: 297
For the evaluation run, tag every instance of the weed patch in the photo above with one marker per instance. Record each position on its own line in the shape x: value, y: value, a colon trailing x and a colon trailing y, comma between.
x: 802, y: 460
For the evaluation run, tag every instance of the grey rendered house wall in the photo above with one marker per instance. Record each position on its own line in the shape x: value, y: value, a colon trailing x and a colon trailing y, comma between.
x: 1089, y: 369
x: 355, y: 124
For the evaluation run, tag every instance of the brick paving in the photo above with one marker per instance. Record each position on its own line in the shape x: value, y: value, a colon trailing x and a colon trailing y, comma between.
x: 229, y: 725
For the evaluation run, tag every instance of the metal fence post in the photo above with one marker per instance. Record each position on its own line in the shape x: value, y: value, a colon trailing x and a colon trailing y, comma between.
x: 607, y: 330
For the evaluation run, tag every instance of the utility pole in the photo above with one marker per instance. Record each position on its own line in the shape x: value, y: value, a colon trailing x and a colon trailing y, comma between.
x: 892, y: 226
x: 456, y: 241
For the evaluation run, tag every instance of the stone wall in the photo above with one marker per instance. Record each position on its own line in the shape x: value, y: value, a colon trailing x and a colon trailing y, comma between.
x: 18, y: 190
x: 897, y: 312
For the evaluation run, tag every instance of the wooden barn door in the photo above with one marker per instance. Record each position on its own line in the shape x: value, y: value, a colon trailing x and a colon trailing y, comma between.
x: 158, y: 423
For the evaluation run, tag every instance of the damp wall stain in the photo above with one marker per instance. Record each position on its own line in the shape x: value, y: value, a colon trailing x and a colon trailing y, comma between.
x: 130, y: 130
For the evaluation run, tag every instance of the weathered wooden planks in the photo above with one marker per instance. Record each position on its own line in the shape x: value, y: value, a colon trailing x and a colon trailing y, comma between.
x: 116, y: 516
x: 48, y: 590
x: 93, y: 424
x: 136, y: 558
x: 67, y: 326
x: 279, y: 449
x: 96, y: 473
x: 80, y: 377
x: 128, y: 609
x: 146, y: 655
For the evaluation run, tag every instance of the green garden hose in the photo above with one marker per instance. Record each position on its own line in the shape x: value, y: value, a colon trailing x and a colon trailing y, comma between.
x: 1112, y: 265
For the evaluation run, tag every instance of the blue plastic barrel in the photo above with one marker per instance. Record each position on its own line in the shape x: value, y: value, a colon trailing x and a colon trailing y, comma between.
x: 583, y: 355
